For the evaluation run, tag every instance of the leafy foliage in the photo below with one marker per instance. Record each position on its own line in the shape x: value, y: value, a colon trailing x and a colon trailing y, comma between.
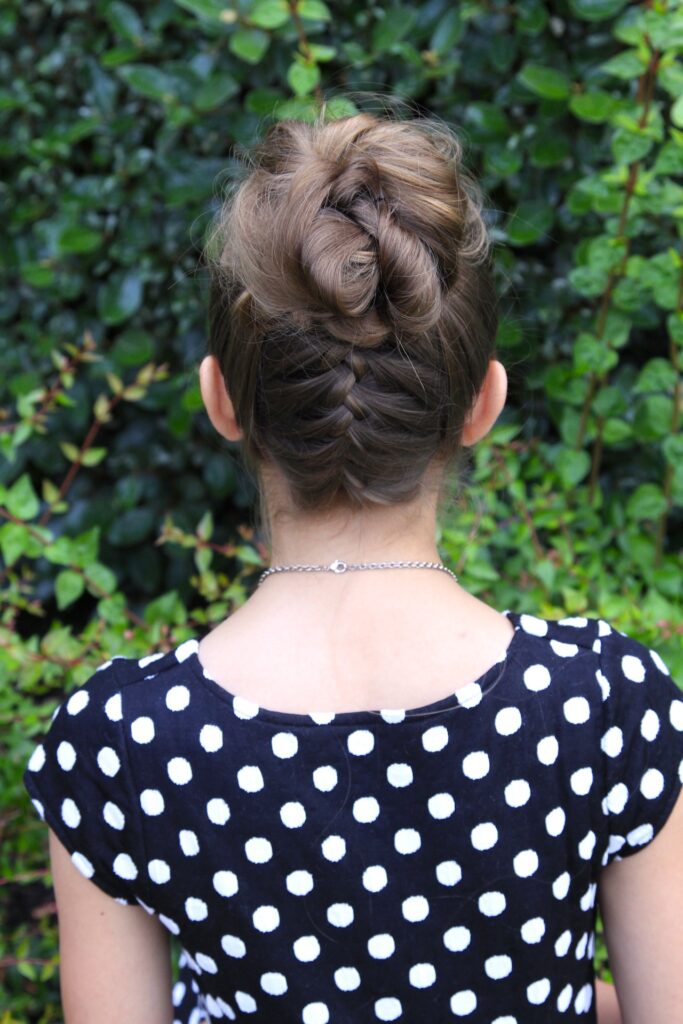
x: 122, y: 518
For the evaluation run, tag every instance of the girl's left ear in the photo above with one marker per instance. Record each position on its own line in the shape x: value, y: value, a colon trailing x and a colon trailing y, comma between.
x: 488, y: 404
x: 216, y: 399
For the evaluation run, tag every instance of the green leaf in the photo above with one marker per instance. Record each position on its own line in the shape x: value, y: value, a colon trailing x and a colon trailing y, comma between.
x: 677, y: 112
x: 119, y: 297
x: 653, y: 418
x: 93, y: 456
x: 269, y: 13
x: 530, y: 221
x: 657, y: 375
x: 646, y: 502
x: 572, y: 466
x: 303, y: 77
x: 628, y: 146
x: 588, y: 281
x: 99, y: 578
x: 125, y: 21
x: 21, y: 499
x: 616, y: 431
x: 593, y: 355
x: 250, y: 44
x: 210, y: 10
x: 545, y: 81
x: 69, y: 586
x: 149, y: 81
x: 394, y: 25
x: 314, y: 10
x: 61, y: 551
x: 596, y: 10
x: 215, y: 92
x: 74, y: 239
x: 448, y: 31
x: 595, y: 107
x: 628, y: 65
x: 14, y: 541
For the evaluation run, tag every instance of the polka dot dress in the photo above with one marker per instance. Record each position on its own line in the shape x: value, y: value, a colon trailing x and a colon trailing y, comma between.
x: 434, y: 863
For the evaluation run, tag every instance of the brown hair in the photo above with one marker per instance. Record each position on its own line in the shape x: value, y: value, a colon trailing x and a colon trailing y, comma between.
x: 352, y: 310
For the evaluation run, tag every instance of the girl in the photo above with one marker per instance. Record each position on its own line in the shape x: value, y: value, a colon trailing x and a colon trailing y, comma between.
x: 367, y: 795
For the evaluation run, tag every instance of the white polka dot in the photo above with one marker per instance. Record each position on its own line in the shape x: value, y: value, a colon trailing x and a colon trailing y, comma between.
x: 587, y: 901
x: 470, y: 695
x: 484, y: 836
x: 245, y: 1002
x: 652, y: 784
x: 612, y: 742
x: 491, y: 904
x: 448, y: 872
x: 178, y: 993
x: 577, y: 710
x: 71, y: 816
x: 325, y: 778
x: 39, y: 807
x: 538, y: 991
x: 581, y: 781
x: 497, y: 967
x: 179, y: 771
x: 360, y: 742
x: 113, y: 815
x: 476, y: 765
x: 322, y: 717
x: 333, y: 848
x: 244, y: 709
x: 152, y: 802
x: 108, y: 761
x: 533, y: 625
x: 142, y: 729
x: 563, y: 650
x: 189, y: 843
x: 435, y: 739
x: 37, y: 759
x: 374, y: 878
x: 587, y: 845
x: 661, y: 665
x: 415, y: 908
x: 225, y: 883
x: 555, y: 821
x: 273, y: 983
x: 299, y: 883
x: 392, y: 716
x: 547, y: 750
x: 306, y: 948
x: 218, y: 811
x: 441, y: 806
x: 616, y: 798
x: 633, y: 668
x: 347, y: 979
x: 536, y: 678
x: 258, y: 850
x: 649, y: 725
x: 399, y: 775
x: 676, y: 714
x: 196, y: 909
x: 581, y: 947
x: 266, y: 918
x: 208, y: 964
x: 250, y: 778
x: 457, y: 939
x: 66, y: 756
x: 508, y: 721
x: 604, y: 684
x: 124, y: 867
x: 563, y: 943
x: 159, y: 871
x: 292, y: 814
x: 615, y: 844
x: 388, y: 1008
x: 576, y: 622
x: 517, y: 793
x: 525, y: 863
x: 284, y: 744
x: 77, y: 702
x: 604, y: 629
x: 340, y: 915
x: 211, y: 738
x: 422, y: 975
x: 83, y: 864
x: 113, y: 709
x: 315, y: 1013
x: 463, y: 1003
x: 533, y: 930
x: 177, y: 698
x: 381, y: 947
x: 233, y: 946
x: 407, y: 840
x: 365, y: 809
x: 170, y: 925
x: 186, y: 649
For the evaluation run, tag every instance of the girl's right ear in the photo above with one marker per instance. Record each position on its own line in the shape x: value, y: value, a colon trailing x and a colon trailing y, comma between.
x: 216, y: 399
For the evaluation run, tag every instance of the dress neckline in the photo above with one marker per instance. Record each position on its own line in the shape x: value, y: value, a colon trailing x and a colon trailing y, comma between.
x: 466, y: 696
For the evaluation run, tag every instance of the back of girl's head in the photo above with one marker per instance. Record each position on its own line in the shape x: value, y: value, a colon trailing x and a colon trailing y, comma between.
x: 352, y: 312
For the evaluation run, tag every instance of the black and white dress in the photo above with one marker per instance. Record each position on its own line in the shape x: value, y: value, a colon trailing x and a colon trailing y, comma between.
x: 431, y: 864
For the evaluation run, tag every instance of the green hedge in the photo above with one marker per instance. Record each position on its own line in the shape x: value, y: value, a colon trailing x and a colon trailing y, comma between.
x: 124, y: 522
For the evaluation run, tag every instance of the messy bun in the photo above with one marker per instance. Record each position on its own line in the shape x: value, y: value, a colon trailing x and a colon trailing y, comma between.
x: 352, y: 309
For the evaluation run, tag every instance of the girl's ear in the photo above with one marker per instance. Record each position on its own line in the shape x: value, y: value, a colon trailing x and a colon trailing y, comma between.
x: 488, y: 404
x: 216, y: 399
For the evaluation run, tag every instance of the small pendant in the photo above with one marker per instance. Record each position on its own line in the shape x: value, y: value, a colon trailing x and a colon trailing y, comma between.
x: 337, y: 566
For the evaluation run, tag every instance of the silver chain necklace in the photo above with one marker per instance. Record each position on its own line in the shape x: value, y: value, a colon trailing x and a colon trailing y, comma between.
x: 339, y: 567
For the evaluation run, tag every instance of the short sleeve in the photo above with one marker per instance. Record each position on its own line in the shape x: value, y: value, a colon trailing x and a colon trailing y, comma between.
x: 77, y: 780
x: 641, y: 743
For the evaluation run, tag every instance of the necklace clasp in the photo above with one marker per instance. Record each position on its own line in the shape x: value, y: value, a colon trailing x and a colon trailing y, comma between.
x: 337, y: 566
